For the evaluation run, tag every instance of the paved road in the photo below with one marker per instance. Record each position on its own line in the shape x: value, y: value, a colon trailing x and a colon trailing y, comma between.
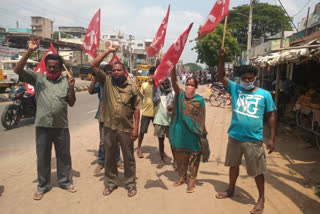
x: 21, y: 137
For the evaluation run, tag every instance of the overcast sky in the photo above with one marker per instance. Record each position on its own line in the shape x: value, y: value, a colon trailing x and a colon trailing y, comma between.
x: 140, y: 18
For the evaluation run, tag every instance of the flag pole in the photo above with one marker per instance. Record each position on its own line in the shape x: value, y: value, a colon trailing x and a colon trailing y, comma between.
x: 224, y: 30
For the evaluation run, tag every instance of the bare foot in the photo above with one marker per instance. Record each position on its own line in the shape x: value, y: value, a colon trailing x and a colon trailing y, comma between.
x: 258, y: 208
x: 139, y: 153
x: 161, y: 164
x: 98, y: 168
x: 179, y: 182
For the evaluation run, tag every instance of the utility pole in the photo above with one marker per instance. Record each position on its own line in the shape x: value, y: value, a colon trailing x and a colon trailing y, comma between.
x: 130, y: 52
x: 249, y: 32
x: 306, y: 34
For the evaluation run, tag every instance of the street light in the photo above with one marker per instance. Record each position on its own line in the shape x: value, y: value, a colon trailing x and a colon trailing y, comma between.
x: 131, y: 37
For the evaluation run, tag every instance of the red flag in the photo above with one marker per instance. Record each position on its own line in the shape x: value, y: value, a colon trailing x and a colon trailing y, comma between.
x: 91, y: 40
x: 41, y: 68
x: 220, y: 10
x: 114, y: 59
x: 158, y: 40
x: 172, y: 56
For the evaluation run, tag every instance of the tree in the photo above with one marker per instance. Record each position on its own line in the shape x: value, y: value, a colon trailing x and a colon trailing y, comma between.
x: 193, y: 66
x: 267, y: 20
x: 208, y: 47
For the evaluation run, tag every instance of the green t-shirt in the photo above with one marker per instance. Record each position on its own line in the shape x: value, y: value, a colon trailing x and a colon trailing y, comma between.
x: 51, y: 97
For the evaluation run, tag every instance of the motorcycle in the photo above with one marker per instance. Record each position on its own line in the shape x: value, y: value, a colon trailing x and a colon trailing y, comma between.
x: 23, y: 106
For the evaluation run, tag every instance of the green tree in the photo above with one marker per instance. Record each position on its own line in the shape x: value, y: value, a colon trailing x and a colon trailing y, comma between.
x: 193, y: 66
x: 267, y: 20
x: 208, y: 47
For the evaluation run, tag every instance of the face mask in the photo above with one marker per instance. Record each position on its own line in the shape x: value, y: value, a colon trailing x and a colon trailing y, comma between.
x: 247, y: 85
x: 53, y: 76
x: 117, y: 81
x: 190, y: 91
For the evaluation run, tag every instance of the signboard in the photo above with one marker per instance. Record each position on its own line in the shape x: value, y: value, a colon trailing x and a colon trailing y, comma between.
x: 107, y: 44
x: 9, y: 52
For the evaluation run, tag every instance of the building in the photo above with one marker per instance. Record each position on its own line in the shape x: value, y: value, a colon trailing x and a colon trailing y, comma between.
x: 21, y: 30
x: 76, y: 32
x: 2, y: 30
x: 42, y: 26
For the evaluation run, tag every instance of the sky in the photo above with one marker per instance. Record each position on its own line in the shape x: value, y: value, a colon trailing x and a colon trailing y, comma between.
x: 140, y: 18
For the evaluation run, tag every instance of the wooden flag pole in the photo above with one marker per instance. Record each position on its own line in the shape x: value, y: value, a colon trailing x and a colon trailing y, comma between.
x: 224, y: 30
x: 68, y: 72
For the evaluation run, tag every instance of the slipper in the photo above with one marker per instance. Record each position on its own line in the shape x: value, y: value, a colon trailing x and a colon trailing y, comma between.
x: 132, y: 191
x: 108, y: 190
x: 120, y: 165
x: 139, y: 153
x: 161, y: 164
x: 98, y: 168
x: 223, y: 195
x: 191, y: 189
x: 71, y: 188
x: 38, y: 195
x: 257, y: 209
x: 179, y: 182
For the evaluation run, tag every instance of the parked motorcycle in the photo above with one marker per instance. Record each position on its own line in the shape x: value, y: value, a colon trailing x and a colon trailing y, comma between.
x: 24, y: 106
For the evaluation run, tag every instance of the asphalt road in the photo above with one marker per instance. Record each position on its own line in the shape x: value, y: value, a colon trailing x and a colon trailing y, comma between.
x: 23, y: 137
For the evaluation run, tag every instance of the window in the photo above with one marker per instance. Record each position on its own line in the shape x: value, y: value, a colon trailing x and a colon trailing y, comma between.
x: 140, y: 45
x: 113, y: 37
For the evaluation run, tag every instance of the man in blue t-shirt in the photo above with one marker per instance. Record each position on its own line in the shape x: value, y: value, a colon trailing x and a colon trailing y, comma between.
x: 249, y: 105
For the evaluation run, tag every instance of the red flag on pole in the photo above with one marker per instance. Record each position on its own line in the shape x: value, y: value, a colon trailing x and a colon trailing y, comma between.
x: 41, y: 68
x: 158, y: 40
x: 92, y: 38
x: 114, y: 59
x: 220, y: 10
x: 172, y: 56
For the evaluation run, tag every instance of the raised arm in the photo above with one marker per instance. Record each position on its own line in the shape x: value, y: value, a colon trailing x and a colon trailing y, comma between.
x: 221, y: 72
x: 175, y: 85
x: 96, y: 61
x: 33, y: 45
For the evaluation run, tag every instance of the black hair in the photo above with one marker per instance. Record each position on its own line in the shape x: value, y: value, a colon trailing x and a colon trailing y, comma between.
x: 195, y: 81
x: 152, y: 70
x: 120, y: 63
x: 107, y: 67
x: 247, y: 69
x: 54, y: 57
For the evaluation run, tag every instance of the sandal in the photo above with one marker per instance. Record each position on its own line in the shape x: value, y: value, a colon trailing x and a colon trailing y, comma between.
x: 71, y: 188
x: 98, y: 168
x: 38, y: 195
x: 223, y: 195
x: 108, y: 190
x: 139, y: 153
x: 120, y: 165
x: 179, y: 182
x: 161, y: 164
x: 190, y: 189
x: 132, y: 191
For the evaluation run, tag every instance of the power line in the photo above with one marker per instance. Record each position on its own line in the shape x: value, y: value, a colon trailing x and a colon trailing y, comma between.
x: 302, y: 8
x: 288, y: 15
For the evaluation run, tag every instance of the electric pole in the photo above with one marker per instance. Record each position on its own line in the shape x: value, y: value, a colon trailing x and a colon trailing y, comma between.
x: 249, y: 32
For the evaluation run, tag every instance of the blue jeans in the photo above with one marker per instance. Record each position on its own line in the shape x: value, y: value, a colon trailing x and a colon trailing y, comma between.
x: 101, y: 153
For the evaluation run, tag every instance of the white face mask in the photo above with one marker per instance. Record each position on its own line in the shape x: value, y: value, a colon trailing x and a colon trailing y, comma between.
x: 247, y: 85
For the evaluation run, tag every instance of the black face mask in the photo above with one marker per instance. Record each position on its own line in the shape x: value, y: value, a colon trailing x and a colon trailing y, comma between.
x: 117, y: 81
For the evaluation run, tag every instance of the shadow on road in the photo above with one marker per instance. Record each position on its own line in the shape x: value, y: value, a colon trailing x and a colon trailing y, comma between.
x: 240, y: 195
x: 1, y: 190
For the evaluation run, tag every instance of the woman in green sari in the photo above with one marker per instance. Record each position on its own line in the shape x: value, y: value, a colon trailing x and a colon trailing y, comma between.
x: 188, y: 135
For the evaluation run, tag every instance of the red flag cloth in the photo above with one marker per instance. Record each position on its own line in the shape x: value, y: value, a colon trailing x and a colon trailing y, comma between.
x: 41, y: 68
x: 114, y: 59
x: 220, y: 10
x: 158, y: 40
x: 92, y: 38
x: 172, y: 56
